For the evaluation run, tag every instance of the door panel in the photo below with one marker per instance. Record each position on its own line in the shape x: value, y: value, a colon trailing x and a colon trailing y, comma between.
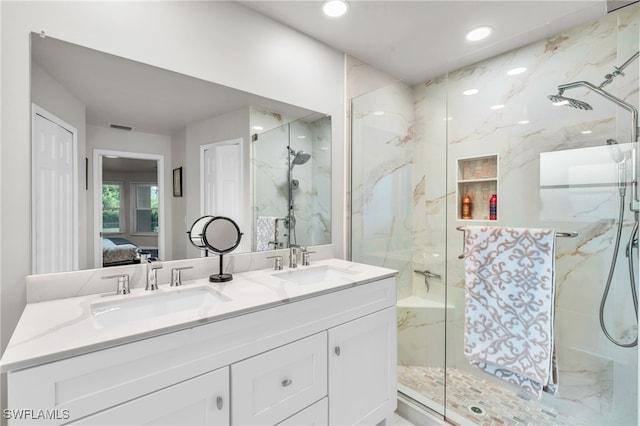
x: 54, y: 194
x: 362, y: 369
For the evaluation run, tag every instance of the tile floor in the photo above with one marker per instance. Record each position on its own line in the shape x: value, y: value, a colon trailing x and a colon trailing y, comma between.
x: 476, y: 401
x: 400, y: 421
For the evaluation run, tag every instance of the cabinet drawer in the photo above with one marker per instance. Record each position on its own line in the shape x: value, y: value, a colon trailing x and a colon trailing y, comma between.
x: 203, y: 401
x: 272, y: 386
x: 316, y: 415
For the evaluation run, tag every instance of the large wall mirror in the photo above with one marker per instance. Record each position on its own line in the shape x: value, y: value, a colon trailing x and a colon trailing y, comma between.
x: 154, y: 150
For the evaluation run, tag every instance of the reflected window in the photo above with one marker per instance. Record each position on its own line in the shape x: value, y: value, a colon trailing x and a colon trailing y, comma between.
x: 145, y: 213
x: 112, y: 217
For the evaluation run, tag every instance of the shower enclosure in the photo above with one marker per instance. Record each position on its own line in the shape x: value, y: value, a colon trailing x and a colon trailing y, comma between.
x: 418, y: 151
x: 291, y: 166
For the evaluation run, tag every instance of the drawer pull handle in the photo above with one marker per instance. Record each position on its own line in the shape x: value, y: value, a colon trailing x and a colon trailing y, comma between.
x: 219, y: 402
x: 286, y: 382
x: 337, y: 350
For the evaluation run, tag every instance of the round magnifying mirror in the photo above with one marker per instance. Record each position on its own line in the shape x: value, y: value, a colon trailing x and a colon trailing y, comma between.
x: 218, y: 234
x: 196, y: 233
x: 221, y: 234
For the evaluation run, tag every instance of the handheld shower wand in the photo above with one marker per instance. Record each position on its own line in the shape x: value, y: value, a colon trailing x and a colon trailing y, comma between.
x: 619, y: 158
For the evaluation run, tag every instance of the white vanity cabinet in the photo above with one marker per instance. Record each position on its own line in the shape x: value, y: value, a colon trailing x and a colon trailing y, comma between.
x: 329, y: 358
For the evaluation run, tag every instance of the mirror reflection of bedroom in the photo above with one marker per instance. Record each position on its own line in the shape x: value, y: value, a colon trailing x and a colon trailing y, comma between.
x: 130, y: 200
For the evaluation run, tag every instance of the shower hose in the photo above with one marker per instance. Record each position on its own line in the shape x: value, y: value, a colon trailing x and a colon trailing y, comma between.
x: 629, y: 252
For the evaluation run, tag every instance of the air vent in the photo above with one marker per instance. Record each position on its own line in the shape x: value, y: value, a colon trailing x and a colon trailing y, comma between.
x: 120, y: 127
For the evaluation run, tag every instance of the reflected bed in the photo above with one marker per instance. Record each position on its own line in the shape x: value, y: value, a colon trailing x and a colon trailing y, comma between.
x: 119, y: 251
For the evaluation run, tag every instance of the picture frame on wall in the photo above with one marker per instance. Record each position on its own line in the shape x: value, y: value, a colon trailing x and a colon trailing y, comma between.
x: 177, y: 182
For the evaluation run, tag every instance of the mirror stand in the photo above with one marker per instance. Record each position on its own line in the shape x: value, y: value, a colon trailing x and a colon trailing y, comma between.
x: 220, y: 277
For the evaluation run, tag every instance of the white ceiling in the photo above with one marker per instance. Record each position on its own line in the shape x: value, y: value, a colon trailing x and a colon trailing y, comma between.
x: 411, y: 40
x: 421, y: 39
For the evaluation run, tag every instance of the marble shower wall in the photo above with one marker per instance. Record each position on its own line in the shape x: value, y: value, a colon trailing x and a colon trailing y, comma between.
x: 572, y: 189
x: 320, y: 214
x: 381, y: 175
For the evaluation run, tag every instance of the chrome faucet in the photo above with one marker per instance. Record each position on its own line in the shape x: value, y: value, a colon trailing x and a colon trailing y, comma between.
x: 293, y: 255
x: 278, y: 262
x: 123, y: 283
x: 152, y: 275
x: 305, y: 256
x: 176, y: 276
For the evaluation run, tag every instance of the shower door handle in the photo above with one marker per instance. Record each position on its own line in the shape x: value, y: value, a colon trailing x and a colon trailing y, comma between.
x: 428, y: 274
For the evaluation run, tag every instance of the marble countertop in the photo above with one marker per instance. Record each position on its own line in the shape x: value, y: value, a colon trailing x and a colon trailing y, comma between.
x: 58, y: 329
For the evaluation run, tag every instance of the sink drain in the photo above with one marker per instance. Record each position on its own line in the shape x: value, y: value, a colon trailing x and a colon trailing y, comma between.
x: 476, y: 410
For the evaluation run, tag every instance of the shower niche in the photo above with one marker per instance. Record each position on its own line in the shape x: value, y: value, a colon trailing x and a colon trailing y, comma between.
x: 477, y: 182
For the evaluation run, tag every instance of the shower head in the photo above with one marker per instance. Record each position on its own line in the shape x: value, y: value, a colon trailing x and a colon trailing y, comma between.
x: 583, y: 105
x: 300, y: 158
x: 573, y: 103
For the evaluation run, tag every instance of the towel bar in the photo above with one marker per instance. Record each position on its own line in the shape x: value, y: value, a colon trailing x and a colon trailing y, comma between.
x: 558, y: 235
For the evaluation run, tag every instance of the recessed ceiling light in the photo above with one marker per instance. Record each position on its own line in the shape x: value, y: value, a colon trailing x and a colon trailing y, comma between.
x: 335, y: 8
x: 470, y: 92
x: 586, y: 132
x: 378, y: 113
x: 524, y: 122
x: 479, y: 33
x: 497, y: 106
x: 258, y: 127
x: 302, y: 137
x: 516, y: 71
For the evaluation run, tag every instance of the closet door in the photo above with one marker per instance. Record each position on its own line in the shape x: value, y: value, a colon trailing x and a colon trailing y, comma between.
x: 54, y: 194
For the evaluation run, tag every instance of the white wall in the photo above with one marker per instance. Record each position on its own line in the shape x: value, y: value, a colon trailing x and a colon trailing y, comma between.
x: 178, y: 244
x: 216, y: 41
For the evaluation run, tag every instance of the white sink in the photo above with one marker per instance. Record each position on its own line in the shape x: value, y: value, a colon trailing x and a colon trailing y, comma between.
x: 315, y: 274
x: 135, y: 308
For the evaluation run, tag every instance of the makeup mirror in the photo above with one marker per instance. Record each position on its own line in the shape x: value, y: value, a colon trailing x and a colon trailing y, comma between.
x: 218, y: 234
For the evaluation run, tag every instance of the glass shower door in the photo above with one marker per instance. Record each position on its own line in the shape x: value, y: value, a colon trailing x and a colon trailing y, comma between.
x: 398, y: 222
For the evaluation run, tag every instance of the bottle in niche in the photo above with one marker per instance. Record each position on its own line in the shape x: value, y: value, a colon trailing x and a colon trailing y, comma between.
x: 493, y: 207
x: 466, y: 207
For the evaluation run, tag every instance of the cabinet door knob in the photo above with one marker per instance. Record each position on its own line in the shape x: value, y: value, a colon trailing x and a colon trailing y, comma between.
x: 286, y: 382
x: 337, y: 350
x: 219, y: 402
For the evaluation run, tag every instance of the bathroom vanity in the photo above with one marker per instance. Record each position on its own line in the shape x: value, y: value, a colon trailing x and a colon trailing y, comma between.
x: 314, y: 345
